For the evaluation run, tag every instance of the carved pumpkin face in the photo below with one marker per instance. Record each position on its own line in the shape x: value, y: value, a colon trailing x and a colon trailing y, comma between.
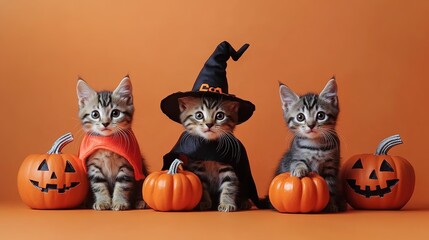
x: 52, y: 181
x: 380, y: 180
x: 377, y: 181
x: 48, y: 179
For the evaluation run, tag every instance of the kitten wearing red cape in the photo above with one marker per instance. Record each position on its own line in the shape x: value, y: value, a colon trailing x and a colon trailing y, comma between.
x: 109, y: 149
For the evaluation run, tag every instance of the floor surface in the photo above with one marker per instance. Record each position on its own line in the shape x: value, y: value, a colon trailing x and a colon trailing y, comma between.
x: 17, y: 221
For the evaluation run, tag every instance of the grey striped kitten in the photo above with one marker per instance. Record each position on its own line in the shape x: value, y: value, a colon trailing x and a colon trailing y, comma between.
x: 315, y: 146
x: 214, y: 119
x: 110, y: 114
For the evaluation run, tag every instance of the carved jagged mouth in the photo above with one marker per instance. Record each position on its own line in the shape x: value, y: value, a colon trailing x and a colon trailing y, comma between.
x: 54, y: 187
x: 367, y: 192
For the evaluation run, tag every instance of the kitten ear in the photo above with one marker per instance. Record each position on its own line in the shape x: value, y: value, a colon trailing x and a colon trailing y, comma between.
x: 185, y: 103
x: 329, y: 93
x: 231, y: 106
x: 287, y: 96
x: 124, y: 90
x: 84, y: 92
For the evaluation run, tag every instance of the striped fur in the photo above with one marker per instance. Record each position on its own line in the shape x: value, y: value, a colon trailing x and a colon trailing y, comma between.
x: 220, y: 185
x: 214, y: 119
x: 104, y: 113
x: 111, y: 177
x: 209, y: 118
x: 112, y: 180
x: 315, y: 146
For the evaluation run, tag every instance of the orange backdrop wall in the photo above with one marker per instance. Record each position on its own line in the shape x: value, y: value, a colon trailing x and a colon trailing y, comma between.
x: 378, y: 51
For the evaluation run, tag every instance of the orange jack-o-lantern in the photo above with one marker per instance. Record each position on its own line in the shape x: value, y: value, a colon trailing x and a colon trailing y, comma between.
x: 378, y: 181
x: 54, y: 180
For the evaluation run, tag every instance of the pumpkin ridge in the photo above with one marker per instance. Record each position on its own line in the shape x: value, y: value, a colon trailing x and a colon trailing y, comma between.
x: 298, y: 195
x: 172, y: 190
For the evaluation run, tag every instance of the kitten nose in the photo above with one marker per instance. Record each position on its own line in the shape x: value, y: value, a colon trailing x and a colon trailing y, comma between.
x: 209, y: 125
x: 312, y: 125
x: 106, y: 124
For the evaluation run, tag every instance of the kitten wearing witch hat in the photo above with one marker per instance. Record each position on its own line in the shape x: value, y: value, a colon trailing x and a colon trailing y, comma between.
x: 209, y: 114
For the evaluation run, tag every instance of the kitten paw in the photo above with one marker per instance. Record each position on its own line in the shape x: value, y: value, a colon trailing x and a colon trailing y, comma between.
x: 120, y: 205
x: 223, y: 207
x: 140, y: 204
x: 300, y: 172
x: 102, y: 205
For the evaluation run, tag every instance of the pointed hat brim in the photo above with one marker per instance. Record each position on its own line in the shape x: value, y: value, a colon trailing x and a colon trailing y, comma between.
x: 170, y: 104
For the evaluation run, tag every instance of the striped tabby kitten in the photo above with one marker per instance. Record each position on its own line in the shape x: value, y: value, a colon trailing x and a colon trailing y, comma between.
x: 315, y: 146
x: 212, y: 118
x: 109, y: 114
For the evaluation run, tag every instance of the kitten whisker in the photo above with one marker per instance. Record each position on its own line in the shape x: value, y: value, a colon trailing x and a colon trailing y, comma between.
x: 330, y: 137
x: 111, y: 163
x: 225, y: 146
x: 228, y: 143
x: 319, y: 151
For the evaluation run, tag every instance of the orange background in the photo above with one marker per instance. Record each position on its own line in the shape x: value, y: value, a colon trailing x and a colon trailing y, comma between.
x: 378, y: 51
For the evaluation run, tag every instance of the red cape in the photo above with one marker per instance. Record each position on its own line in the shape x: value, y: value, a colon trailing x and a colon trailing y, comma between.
x: 124, y: 144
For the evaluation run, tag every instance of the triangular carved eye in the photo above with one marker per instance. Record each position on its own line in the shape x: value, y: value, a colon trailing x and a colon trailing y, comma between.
x: 386, y: 167
x: 358, y: 164
x: 69, y: 167
x: 43, y: 166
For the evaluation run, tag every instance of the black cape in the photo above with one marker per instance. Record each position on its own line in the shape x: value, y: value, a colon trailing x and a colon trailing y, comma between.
x: 189, y: 148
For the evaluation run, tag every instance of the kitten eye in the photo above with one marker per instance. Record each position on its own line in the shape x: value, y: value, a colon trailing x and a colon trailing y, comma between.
x: 300, y: 117
x: 321, y: 116
x: 95, y: 114
x: 220, y: 116
x: 199, y: 115
x: 115, y: 113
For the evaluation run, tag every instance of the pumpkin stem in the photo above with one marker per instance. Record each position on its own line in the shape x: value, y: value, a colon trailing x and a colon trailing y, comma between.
x: 387, y: 143
x: 60, y: 143
x: 174, y: 166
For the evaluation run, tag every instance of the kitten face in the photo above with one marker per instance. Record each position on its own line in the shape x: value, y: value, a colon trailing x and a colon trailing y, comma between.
x: 105, y: 113
x: 311, y: 116
x: 206, y: 117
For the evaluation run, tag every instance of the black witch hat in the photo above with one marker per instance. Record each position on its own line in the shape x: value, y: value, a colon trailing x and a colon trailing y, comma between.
x: 212, y: 81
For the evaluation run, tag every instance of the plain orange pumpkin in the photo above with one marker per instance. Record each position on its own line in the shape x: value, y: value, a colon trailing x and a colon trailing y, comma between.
x: 378, y: 181
x: 289, y: 194
x: 53, y: 180
x: 173, y: 189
